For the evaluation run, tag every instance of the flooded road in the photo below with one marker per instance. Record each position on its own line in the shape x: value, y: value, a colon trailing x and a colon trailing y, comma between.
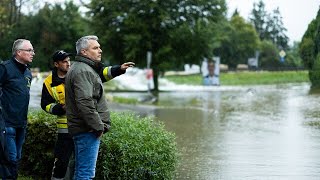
x: 256, y: 132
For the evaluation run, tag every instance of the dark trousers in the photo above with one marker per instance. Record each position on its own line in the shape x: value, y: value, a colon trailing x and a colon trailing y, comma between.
x: 63, y: 150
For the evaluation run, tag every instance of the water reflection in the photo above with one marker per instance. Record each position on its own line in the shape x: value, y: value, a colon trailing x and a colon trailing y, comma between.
x: 256, y: 132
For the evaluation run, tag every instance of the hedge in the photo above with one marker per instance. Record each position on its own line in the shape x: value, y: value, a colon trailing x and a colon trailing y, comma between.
x: 135, y: 148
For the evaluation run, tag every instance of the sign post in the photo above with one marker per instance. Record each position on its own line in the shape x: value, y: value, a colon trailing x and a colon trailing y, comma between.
x: 149, y: 70
x: 282, y: 55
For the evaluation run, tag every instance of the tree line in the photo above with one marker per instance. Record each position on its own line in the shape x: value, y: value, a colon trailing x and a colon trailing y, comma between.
x: 175, y: 31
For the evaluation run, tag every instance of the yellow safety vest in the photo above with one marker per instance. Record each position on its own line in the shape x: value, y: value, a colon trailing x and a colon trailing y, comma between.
x: 58, y: 93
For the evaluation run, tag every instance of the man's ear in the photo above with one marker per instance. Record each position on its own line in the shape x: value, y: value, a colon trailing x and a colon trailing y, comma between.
x: 55, y: 64
x: 83, y: 51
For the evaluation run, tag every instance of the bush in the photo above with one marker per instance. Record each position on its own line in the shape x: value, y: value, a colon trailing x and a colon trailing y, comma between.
x: 37, y: 155
x: 135, y: 148
x: 314, y: 74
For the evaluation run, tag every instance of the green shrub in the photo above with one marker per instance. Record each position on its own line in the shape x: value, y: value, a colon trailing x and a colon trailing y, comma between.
x: 135, y: 148
x: 37, y: 158
x: 315, y: 73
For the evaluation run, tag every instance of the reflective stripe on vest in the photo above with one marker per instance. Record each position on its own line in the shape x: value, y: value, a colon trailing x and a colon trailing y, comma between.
x: 62, y: 122
x: 57, y: 92
x: 49, y: 107
x: 107, y: 74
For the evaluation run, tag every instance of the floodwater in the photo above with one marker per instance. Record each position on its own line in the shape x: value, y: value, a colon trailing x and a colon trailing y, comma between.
x: 253, y: 132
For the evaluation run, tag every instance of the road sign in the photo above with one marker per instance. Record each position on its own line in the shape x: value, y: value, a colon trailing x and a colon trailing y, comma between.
x: 282, y: 54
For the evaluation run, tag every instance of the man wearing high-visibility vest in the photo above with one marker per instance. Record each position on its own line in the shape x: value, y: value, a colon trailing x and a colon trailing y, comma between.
x: 53, y: 102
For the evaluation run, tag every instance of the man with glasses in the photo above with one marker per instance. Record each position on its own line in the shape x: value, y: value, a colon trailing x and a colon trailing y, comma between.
x: 53, y: 102
x: 15, y: 82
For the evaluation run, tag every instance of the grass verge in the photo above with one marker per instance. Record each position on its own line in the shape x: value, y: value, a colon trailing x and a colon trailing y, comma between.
x: 247, y: 78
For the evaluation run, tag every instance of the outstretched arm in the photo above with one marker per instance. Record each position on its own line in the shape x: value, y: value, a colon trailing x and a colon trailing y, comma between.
x: 126, y: 65
x: 111, y: 72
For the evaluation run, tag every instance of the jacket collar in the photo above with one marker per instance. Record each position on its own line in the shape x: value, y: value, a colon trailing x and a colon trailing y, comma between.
x: 21, y: 67
x: 86, y: 60
x: 56, y: 80
x: 96, y: 65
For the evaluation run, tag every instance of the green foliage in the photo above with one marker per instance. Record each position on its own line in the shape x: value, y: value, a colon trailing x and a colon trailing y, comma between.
x: 314, y: 74
x: 247, y: 78
x: 9, y: 17
x: 307, y: 52
x: 310, y: 50
x: 259, y: 18
x: 125, y: 100
x: 195, y: 79
x: 136, y: 149
x: 190, y: 45
x: 37, y: 158
x: 260, y: 78
x: 268, y: 57
x: 53, y: 27
x: 130, y: 28
x: 293, y: 58
x: 58, y: 27
x: 239, y: 42
x: 24, y: 178
x: 276, y: 30
x: 269, y: 25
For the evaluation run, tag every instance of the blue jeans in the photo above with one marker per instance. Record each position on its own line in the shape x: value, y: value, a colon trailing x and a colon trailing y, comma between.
x: 15, y: 138
x: 86, y: 154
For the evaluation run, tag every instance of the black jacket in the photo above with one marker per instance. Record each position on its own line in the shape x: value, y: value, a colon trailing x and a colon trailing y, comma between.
x: 15, y: 81
x: 4, y: 157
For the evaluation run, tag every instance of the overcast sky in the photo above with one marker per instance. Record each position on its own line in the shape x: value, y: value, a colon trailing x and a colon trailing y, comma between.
x: 296, y: 14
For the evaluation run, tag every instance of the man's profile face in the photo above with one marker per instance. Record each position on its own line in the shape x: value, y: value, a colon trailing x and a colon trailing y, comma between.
x: 26, y: 53
x: 93, y: 52
x: 63, y: 65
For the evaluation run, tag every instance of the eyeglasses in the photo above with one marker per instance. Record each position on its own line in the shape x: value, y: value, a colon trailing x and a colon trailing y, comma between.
x: 28, y: 50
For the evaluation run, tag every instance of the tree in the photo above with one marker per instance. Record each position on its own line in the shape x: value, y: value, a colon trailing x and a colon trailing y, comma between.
x: 276, y: 30
x: 53, y: 27
x: 190, y: 45
x: 268, y: 57
x: 239, y: 42
x: 269, y: 26
x: 10, y: 15
x: 293, y: 58
x: 259, y: 19
x: 130, y: 28
x: 309, y: 50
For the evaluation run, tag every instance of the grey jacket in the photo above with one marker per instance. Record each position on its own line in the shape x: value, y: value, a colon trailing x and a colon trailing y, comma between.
x: 86, y: 105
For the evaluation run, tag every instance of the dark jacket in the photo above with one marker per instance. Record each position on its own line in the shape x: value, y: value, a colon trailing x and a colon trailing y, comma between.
x: 15, y: 81
x: 86, y: 104
x: 47, y: 99
x: 4, y: 156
